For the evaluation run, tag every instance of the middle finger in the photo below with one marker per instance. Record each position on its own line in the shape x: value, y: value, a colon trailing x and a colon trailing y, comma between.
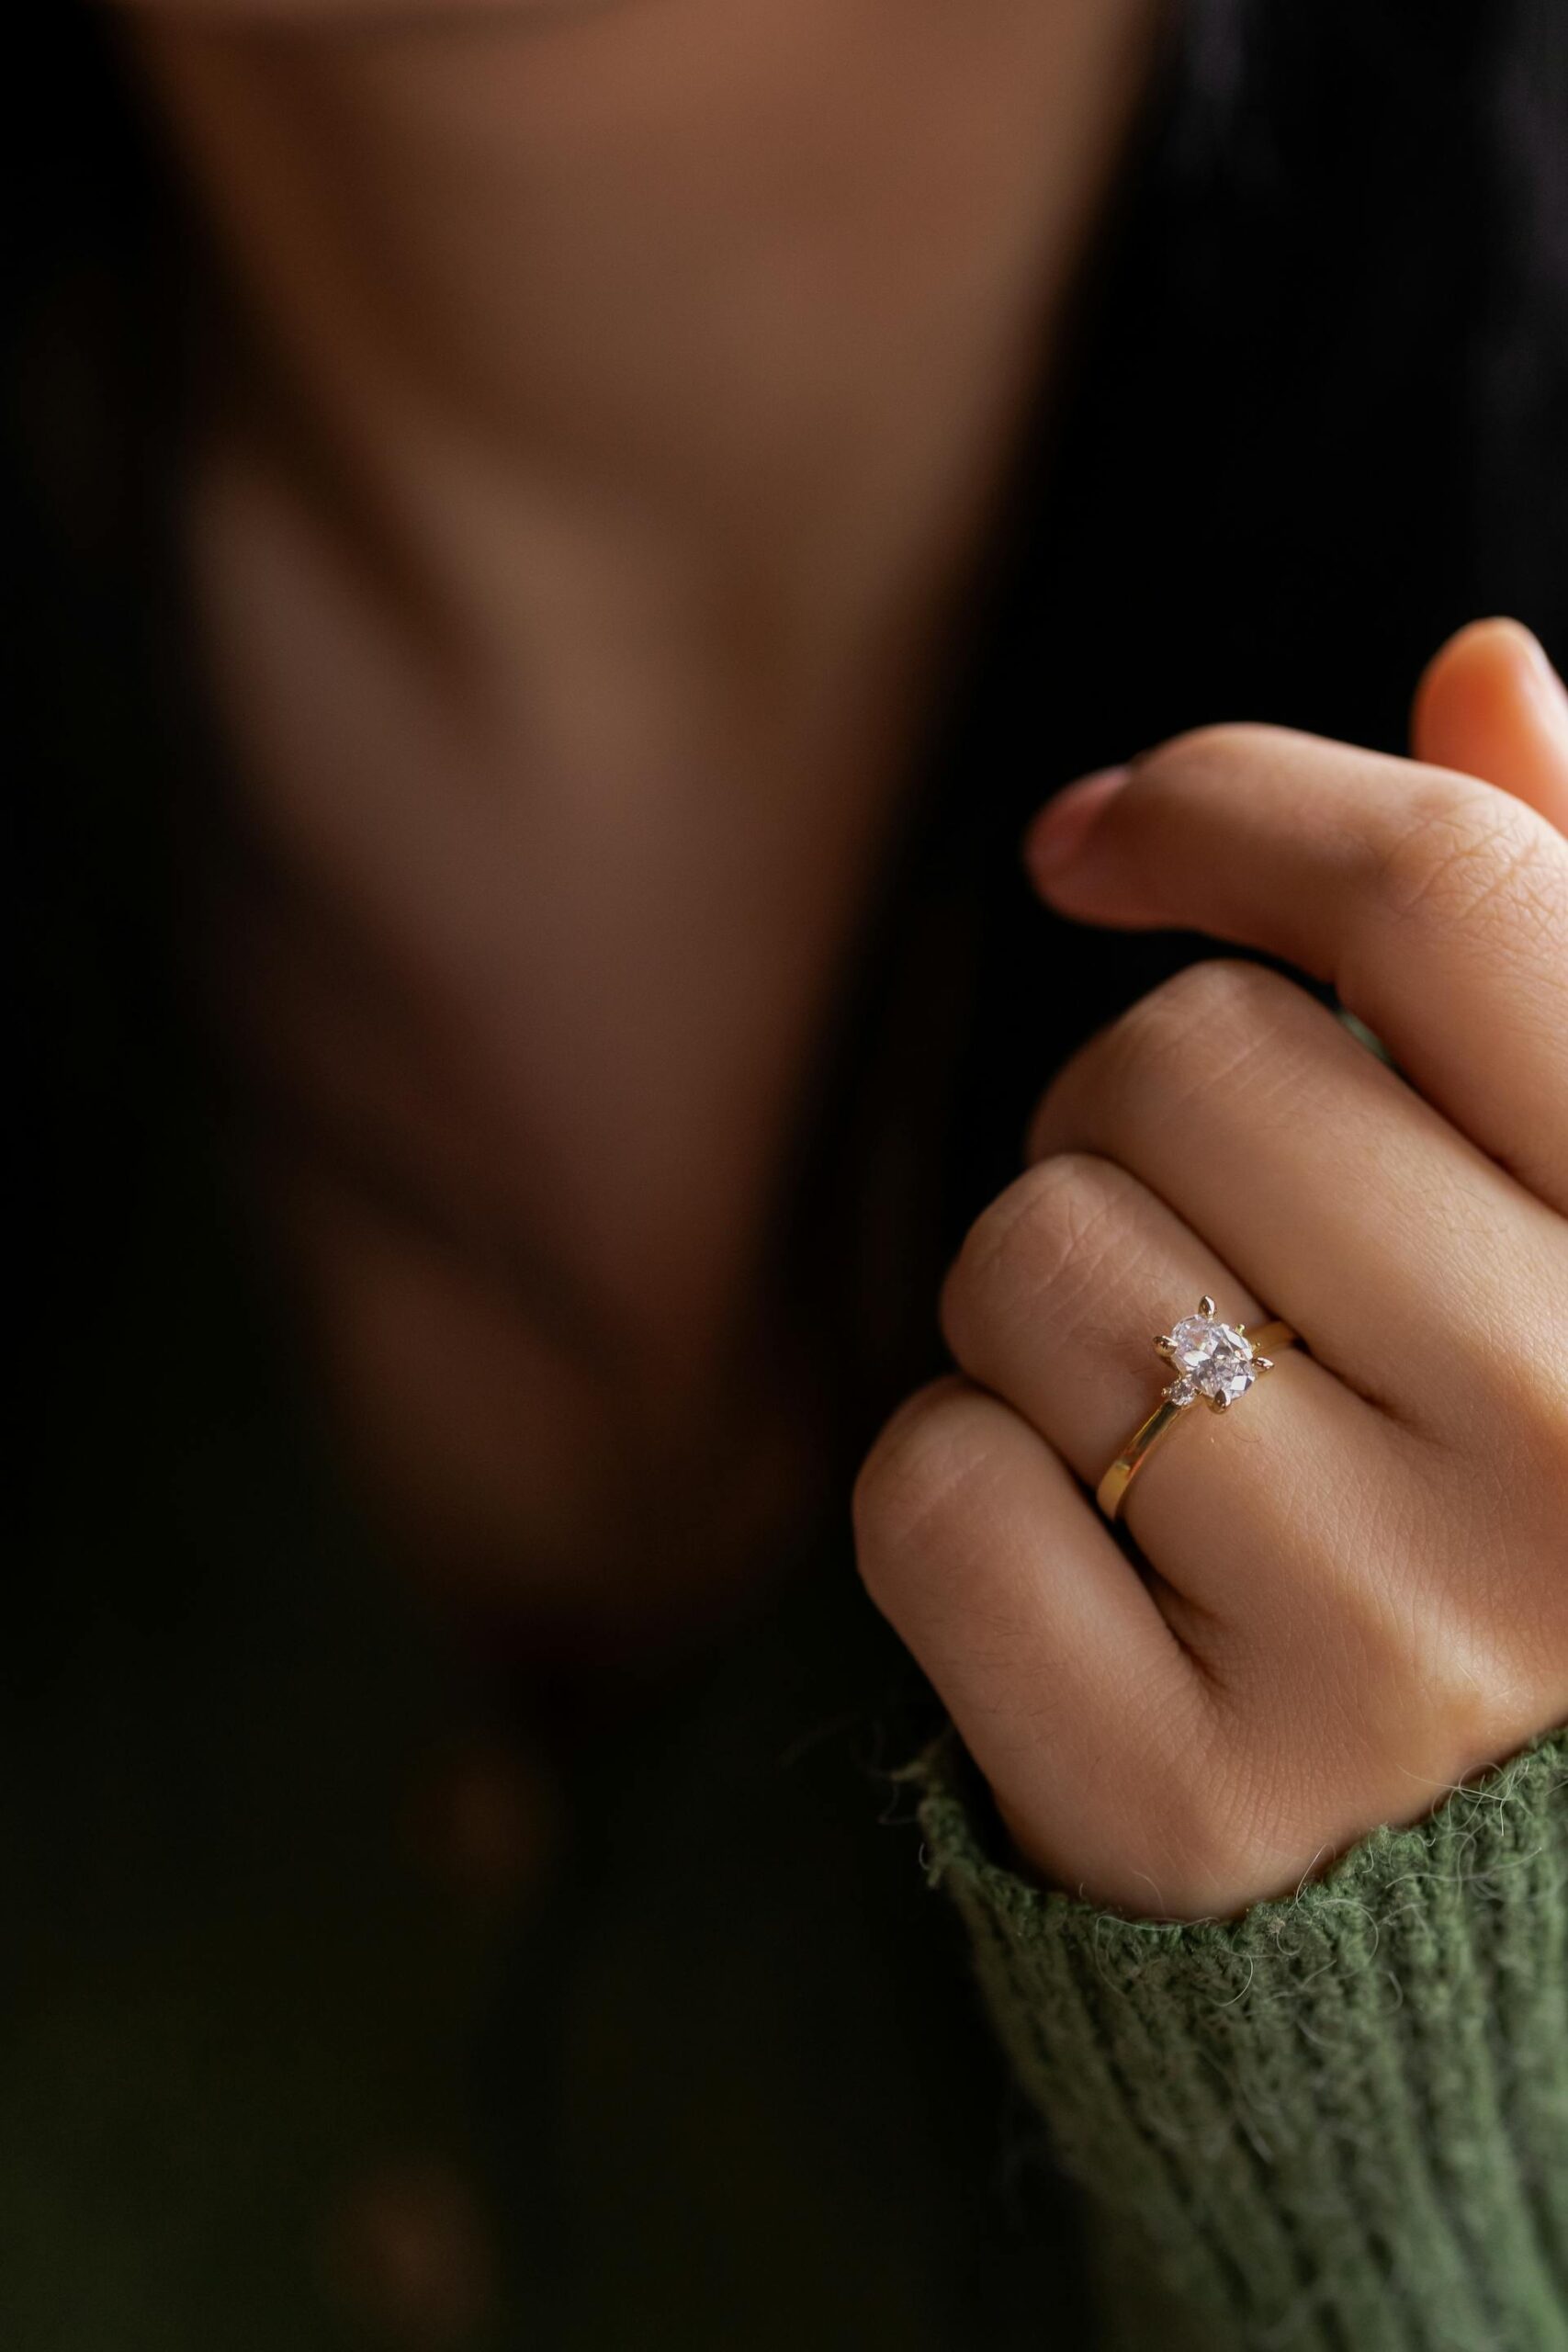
x: 1348, y: 1204
x: 1053, y: 1304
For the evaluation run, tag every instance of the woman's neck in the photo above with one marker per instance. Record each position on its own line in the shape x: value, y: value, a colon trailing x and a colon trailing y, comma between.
x: 630, y: 387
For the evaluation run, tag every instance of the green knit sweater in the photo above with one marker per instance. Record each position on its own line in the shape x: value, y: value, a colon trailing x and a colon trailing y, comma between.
x: 1341, y: 2121
x: 713, y: 2074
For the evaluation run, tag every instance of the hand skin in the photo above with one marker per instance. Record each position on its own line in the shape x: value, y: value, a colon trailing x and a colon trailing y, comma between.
x: 1356, y: 1594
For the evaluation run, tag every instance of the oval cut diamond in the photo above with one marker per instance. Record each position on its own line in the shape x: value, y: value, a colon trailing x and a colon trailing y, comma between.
x: 1211, y: 1358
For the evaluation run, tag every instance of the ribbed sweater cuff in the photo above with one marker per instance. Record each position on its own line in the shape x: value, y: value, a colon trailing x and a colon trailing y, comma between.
x: 1338, y: 2121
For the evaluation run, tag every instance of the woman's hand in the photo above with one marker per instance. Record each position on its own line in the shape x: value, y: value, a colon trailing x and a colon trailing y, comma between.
x: 1356, y: 1592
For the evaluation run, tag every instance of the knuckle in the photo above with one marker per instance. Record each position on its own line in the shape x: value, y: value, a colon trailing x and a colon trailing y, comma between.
x: 1423, y: 1679
x: 1459, y: 853
x: 1527, y: 1399
x: 1462, y: 1683
x: 1426, y: 1675
x: 1196, y: 1028
x: 1510, y: 1506
x: 1209, y: 1851
x: 1219, y: 991
x: 1220, y: 750
x: 1468, y: 1690
x: 1546, y: 1422
x: 1210, y: 1027
x: 916, y: 1482
x: 1038, y: 1245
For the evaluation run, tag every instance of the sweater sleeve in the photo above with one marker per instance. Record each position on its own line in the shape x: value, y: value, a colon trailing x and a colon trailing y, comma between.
x: 1338, y: 2123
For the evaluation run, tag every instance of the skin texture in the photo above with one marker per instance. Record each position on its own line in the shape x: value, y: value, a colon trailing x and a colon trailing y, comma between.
x: 570, y: 653
x: 1350, y: 1593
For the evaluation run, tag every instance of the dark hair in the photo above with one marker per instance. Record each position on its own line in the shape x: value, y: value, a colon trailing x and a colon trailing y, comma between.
x: 1312, y: 418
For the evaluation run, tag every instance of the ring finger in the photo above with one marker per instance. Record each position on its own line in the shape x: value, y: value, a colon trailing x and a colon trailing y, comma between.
x: 1250, y: 1109
x: 1053, y: 1304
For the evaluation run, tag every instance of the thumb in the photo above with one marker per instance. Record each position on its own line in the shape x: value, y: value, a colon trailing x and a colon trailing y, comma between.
x: 1491, y: 705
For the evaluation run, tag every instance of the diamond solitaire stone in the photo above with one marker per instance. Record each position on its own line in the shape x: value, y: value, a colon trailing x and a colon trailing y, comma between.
x: 1212, y: 1360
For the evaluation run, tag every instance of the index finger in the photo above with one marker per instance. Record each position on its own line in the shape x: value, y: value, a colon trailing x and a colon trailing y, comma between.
x: 1435, y: 905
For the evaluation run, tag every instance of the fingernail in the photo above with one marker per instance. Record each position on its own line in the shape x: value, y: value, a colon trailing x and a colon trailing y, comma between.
x: 1064, y: 825
x: 1550, y: 692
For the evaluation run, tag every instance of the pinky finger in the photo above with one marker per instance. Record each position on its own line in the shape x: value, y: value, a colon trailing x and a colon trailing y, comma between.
x: 1070, y: 1691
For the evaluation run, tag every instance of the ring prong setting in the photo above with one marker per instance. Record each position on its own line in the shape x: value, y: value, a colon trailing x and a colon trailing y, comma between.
x: 1213, y: 1360
x: 1214, y: 1363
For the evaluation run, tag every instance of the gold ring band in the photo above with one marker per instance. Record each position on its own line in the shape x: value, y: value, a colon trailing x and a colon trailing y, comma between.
x: 1216, y: 1362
